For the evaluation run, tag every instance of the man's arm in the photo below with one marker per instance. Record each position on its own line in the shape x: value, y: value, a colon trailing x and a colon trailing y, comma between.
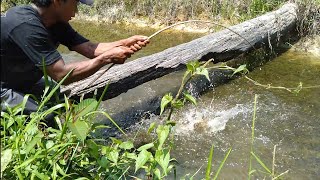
x: 86, y: 68
x: 92, y: 50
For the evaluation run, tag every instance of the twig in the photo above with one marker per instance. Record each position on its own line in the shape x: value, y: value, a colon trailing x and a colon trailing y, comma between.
x: 198, y: 21
x: 280, y: 175
x: 104, y: 71
x: 268, y: 86
x: 274, y: 159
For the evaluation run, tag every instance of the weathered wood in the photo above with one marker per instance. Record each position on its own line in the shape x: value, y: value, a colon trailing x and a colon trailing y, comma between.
x: 222, y: 46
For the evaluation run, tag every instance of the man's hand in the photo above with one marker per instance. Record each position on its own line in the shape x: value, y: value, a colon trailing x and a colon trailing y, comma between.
x: 117, y: 55
x: 135, y: 42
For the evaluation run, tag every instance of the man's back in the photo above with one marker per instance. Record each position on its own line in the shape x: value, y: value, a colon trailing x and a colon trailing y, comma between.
x: 17, y: 69
x: 26, y: 43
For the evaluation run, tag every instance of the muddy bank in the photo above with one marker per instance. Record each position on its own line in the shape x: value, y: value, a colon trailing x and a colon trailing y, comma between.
x: 310, y: 44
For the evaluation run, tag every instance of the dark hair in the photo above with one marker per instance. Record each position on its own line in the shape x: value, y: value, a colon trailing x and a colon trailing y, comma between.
x: 42, y: 3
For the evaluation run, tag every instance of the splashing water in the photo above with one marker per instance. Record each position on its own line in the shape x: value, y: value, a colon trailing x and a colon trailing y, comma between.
x: 208, y: 119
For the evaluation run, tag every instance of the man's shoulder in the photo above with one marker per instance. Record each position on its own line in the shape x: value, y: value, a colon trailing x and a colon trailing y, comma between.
x: 18, y: 15
x: 20, y: 19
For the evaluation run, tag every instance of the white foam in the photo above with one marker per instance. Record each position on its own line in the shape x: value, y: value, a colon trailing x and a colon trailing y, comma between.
x: 207, y: 119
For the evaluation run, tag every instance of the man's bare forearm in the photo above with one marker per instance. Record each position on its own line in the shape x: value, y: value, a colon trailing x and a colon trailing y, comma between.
x: 81, y: 69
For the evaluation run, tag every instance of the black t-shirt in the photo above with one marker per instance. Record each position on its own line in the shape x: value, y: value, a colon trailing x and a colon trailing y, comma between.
x: 26, y: 42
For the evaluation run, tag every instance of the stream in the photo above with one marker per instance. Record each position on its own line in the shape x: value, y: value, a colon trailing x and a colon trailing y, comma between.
x: 224, y: 114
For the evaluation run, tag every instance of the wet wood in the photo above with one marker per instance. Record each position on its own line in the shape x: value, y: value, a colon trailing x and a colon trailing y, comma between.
x: 265, y: 30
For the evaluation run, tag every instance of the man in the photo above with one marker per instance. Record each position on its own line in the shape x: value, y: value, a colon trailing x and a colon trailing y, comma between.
x: 31, y: 34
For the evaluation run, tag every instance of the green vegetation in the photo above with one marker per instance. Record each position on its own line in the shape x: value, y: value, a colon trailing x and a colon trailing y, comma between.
x: 31, y: 150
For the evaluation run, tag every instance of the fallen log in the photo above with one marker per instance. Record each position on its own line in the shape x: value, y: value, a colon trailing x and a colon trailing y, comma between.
x: 224, y: 45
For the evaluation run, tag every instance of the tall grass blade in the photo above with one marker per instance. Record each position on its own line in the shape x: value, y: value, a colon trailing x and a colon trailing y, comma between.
x: 222, y: 164
x: 46, y: 99
x: 74, y: 151
x: 44, y: 69
x: 24, y: 102
x: 252, y: 135
x: 208, y: 171
x: 109, y: 117
x: 260, y: 162
x: 102, y: 95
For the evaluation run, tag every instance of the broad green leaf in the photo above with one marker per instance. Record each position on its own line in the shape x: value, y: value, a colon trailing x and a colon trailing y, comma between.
x: 113, y: 156
x: 33, y: 142
x: 157, y: 173
x: 93, y: 148
x: 203, y: 71
x: 165, y: 162
x: 242, y: 68
x: 40, y: 175
x: 6, y: 157
x: 49, y: 144
x: 79, y: 128
x: 116, y: 141
x: 126, y: 145
x: 151, y: 128
x: 130, y: 155
x: 105, y: 150
x: 10, y: 122
x: 103, y: 162
x: 63, y: 162
x: 142, y: 158
x: 163, y: 132
x: 145, y: 147
x: 165, y: 101
x: 190, y: 98
x: 177, y: 104
x: 170, y: 168
x: 192, y: 66
x: 163, y: 159
x: 84, y: 107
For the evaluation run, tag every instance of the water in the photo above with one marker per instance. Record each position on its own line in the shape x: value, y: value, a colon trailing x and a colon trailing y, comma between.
x: 223, y: 118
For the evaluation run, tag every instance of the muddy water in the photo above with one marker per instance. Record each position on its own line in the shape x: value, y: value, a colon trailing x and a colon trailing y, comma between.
x: 223, y: 118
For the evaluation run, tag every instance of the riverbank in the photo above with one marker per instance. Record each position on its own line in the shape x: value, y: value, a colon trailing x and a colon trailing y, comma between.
x: 144, y: 22
x: 310, y: 44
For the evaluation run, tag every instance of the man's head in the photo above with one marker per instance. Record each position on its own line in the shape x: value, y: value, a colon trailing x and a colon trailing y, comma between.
x: 61, y: 10
x: 46, y: 3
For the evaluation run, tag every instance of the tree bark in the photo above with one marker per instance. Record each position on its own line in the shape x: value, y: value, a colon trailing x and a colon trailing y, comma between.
x: 265, y: 30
